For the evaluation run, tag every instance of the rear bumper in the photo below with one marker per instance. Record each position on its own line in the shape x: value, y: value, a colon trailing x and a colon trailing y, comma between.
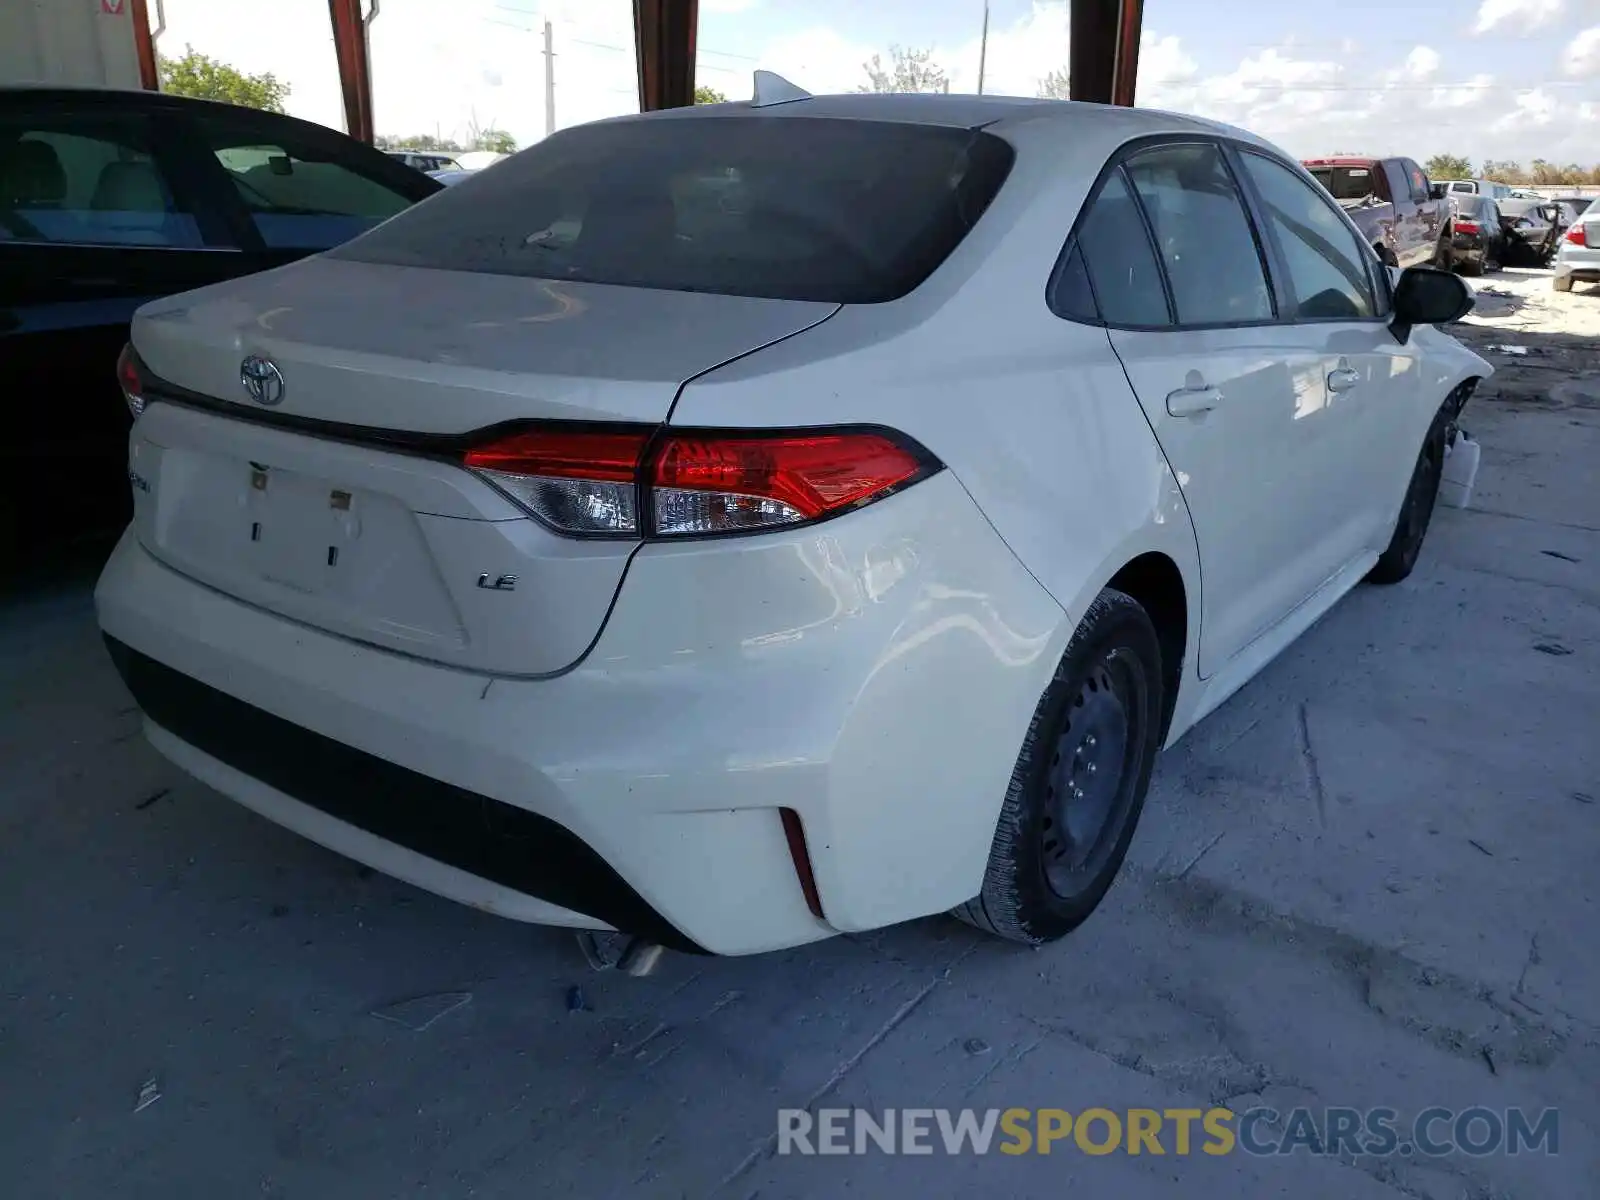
x: 234, y: 745
x: 1579, y: 262
x: 875, y: 675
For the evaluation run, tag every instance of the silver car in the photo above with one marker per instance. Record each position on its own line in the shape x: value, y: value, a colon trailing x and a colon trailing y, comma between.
x: 1578, y: 254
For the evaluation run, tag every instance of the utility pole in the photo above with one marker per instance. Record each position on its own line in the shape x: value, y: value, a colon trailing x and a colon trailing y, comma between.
x: 549, y: 79
x: 983, y: 47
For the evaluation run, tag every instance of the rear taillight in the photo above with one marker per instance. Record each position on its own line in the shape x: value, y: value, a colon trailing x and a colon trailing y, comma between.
x: 706, y: 483
x: 131, y: 379
x: 633, y: 483
x: 1467, y: 227
x: 1576, y: 235
x: 578, y: 481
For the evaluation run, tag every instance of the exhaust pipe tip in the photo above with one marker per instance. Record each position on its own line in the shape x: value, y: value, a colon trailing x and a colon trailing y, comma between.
x: 632, y: 955
x: 641, y: 958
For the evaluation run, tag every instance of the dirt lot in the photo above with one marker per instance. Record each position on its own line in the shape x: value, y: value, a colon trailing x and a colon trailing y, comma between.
x: 1369, y: 880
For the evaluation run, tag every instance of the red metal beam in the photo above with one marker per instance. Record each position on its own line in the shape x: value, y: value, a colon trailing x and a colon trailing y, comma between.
x: 144, y: 46
x: 355, y: 73
x: 1104, y: 66
x: 664, y: 33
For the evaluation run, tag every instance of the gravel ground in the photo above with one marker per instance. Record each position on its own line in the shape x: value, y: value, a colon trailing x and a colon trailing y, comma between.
x: 1368, y: 880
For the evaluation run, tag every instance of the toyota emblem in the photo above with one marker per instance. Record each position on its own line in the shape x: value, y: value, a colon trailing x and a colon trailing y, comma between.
x: 262, y: 379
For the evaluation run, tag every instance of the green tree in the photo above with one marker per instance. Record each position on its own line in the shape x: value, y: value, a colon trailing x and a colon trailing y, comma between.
x: 1448, y: 166
x: 907, y: 71
x: 496, y: 141
x: 1503, y: 171
x: 708, y: 95
x: 206, y: 78
x: 1055, y: 86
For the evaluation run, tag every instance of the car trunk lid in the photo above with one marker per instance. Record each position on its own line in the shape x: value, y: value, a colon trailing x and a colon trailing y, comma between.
x: 343, y: 504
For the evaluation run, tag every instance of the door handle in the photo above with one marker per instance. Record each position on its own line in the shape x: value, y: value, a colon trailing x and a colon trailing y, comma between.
x: 1342, y: 379
x: 1193, y: 401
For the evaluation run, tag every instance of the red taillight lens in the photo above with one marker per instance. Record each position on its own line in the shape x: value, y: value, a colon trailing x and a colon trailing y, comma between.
x: 591, y: 482
x: 577, y: 481
x: 715, y: 484
x: 131, y: 379
x: 1576, y: 235
x: 1467, y: 227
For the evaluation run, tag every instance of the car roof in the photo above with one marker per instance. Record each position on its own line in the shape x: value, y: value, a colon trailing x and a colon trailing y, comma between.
x: 998, y: 113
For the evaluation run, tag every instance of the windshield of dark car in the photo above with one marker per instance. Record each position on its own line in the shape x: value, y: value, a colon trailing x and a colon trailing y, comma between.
x: 1346, y: 183
x: 796, y: 208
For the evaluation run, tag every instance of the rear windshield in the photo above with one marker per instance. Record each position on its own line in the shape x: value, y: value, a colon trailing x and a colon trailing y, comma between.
x: 1347, y: 183
x: 794, y: 208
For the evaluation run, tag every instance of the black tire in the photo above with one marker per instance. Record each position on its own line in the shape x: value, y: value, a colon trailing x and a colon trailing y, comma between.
x: 1042, y: 882
x: 1416, y: 511
x: 1562, y: 283
x: 1441, y: 252
x: 1472, y: 267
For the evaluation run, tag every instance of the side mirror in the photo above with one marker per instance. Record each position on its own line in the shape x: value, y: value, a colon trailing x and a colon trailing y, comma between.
x: 1428, y: 296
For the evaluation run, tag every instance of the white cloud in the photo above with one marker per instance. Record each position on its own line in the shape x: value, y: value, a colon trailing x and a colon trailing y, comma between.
x: 1534, y: 108
x: 1582, y: 56
x: 1518, y: 16
x: 1462, y: 95
x: 1421, y: 63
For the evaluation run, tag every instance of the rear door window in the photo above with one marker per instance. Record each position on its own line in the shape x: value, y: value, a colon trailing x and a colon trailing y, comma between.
x: 1202, y: 235
x: 87, y: 178
x: 1418, y: 182
x: 802, y: 208
x: 300, y: 196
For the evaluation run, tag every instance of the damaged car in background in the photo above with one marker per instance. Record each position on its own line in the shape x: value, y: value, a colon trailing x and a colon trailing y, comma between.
x: 1477, y: 238
x: 1532, y: 231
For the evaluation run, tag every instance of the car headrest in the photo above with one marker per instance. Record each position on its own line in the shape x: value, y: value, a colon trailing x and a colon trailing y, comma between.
x: 129, y: 187
x: 31, y: 176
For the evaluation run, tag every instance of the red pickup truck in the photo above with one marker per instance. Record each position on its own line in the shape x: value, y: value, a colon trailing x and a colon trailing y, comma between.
x: 1391, y: 202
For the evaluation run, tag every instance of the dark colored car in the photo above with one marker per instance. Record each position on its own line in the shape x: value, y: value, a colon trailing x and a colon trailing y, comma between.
x: 1392, y: 203
x: 1533, y: 231
x: 109, y: 199
x: 1477, y: 241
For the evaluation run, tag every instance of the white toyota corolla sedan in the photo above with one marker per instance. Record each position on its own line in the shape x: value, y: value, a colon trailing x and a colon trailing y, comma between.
x: 739, y: 525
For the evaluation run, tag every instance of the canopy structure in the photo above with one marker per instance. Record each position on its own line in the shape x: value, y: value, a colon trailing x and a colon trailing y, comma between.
x: 1103, y: 60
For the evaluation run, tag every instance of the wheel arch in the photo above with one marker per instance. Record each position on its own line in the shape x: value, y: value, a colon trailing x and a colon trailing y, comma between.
x: 1156, y: 582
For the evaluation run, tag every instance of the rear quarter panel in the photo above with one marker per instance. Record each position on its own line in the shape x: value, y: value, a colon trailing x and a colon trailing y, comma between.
x: 1031, y: 413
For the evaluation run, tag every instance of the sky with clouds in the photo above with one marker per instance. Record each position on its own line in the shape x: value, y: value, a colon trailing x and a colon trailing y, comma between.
x: 1513, y: 79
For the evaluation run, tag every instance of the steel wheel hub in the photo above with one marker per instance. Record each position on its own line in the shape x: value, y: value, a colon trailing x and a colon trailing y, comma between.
x: 1087, y: 770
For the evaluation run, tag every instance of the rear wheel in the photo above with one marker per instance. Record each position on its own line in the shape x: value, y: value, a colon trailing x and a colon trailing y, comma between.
x: 1562, y: 283
x: 1472, y: 266
x: 1080, y: 782
x: 1416, y: 512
